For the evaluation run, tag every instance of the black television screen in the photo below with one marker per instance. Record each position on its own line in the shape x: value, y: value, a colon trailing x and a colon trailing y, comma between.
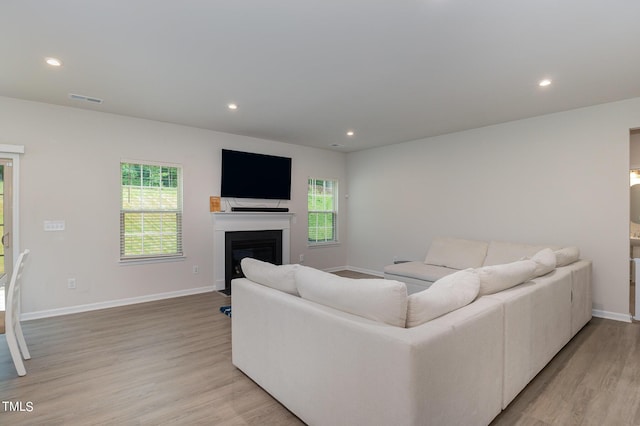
x: 250, y: 175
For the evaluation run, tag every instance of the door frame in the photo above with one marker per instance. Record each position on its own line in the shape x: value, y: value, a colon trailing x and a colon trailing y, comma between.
x: 13, y: 153
x: 7, y: 165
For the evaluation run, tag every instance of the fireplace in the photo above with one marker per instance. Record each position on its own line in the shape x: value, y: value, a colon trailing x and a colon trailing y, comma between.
x: 262, y: 245
x: 231, y: 222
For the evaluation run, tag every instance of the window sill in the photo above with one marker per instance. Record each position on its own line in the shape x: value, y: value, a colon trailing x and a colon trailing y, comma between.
x: 327, y: 244
x: 144, y: 261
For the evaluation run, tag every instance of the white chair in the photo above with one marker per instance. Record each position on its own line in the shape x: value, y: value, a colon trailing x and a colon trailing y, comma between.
x: 15, y: 338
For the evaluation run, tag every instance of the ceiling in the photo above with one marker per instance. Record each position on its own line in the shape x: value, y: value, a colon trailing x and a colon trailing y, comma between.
x: 307, y: 71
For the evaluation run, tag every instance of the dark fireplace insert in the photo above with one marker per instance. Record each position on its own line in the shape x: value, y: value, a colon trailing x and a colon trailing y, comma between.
x: 261, y: 245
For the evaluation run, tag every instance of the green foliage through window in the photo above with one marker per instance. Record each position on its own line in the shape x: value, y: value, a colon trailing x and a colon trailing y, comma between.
x: 322, y: 210
x: 150, y: 211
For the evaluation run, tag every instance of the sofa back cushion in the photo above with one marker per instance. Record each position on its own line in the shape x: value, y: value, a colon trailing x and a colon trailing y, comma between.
x: 500, y: 252
x: 496, y: 278
x: 456, y: 253
x: 376, y: 299
x: 445, y: 295
x: 280, y: 277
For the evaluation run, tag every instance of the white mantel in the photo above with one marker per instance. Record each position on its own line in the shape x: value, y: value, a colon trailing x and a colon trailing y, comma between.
x: 246, y: 221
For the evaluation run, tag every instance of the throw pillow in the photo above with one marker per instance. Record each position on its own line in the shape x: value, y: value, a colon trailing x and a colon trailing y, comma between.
x: 567, y: 255
x: 445, y: 295
x: 496, y: 278
x: 545, y: 261
x: 376, y: 299
x: 280, y: 277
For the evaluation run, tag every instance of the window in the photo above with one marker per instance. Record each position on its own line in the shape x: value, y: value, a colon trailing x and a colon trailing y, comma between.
x: 323, y: 211
x: 151, y: 211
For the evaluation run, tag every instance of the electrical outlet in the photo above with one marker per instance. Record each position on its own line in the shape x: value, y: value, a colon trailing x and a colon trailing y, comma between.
x: 195, y: 269
x: 71, y: 283
x: 301, y: 258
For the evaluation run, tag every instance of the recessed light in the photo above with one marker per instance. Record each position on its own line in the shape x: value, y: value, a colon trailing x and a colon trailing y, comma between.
x: 544, y: 83
x: 54, y: 62
x: 336, y: 145
x: 232, y: 106
x: 351, y: 133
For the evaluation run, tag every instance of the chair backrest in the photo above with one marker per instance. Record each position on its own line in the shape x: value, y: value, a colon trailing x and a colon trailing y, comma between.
x: 13, y: 292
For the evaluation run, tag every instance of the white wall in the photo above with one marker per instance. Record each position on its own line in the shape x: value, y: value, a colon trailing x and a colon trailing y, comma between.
x: 70, y: 171
x: 556, y: 179
x: 560, y: 178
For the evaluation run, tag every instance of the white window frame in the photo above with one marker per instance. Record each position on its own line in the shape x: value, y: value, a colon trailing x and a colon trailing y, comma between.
x: 334, y: 212
x: 153, y: 257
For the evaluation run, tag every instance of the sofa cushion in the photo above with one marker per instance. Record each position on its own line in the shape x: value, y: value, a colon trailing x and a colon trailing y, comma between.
x: 496, y: 278
x: 280, y: 277
x: 456, y: 253
x: 500, y: 252
x: 419, y: 270
x: 567, y: 255
x: 376, y: 299
x: 445, y: 295
x: 545, y: 261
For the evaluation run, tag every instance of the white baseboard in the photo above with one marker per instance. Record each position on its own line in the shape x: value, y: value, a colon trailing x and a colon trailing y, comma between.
x: 364, y: 271
x: 112, y: 303
x: 611, y: 315
x: 336, y: 269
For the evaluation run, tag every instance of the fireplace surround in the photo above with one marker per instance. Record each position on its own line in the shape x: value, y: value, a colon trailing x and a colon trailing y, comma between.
x: 244, y: 224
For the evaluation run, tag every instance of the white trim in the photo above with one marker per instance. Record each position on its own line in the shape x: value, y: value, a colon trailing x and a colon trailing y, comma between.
x: 336, y: 220
x: 13, y: 149
x: 636, y: 279
x: 179, y: 212
x: 151, y: 259
x: 335, y: 269
x: 321, y: 244
x: 12, y: 152
x: 148, y: 163
x: 112, y: 303
x: 246, y: 221
x: 611, y: 315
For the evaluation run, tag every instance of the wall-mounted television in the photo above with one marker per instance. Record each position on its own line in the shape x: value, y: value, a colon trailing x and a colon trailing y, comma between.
x: 251, y: 175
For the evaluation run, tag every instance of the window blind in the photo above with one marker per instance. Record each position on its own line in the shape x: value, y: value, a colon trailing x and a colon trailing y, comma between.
x: 322, y: 210
x: 150, y: 211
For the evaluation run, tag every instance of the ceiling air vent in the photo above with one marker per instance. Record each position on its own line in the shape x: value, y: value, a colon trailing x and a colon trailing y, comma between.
x: 85, y: 98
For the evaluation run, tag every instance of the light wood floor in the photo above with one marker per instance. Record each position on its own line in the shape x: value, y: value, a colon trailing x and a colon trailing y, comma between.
x: 169, y: 362
x: 164, y: 362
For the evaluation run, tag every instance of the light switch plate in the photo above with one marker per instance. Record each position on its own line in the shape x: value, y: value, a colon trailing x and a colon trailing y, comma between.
x: 54, y: 225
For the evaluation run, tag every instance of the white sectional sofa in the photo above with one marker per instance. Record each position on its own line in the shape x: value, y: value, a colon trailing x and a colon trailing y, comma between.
x: 337, y: 351
x: 448, y: 255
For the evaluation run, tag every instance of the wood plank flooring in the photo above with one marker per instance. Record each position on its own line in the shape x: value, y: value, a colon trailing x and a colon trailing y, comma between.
x: 164, y: 362
x: 593, y: 380
x: 169, y: 362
